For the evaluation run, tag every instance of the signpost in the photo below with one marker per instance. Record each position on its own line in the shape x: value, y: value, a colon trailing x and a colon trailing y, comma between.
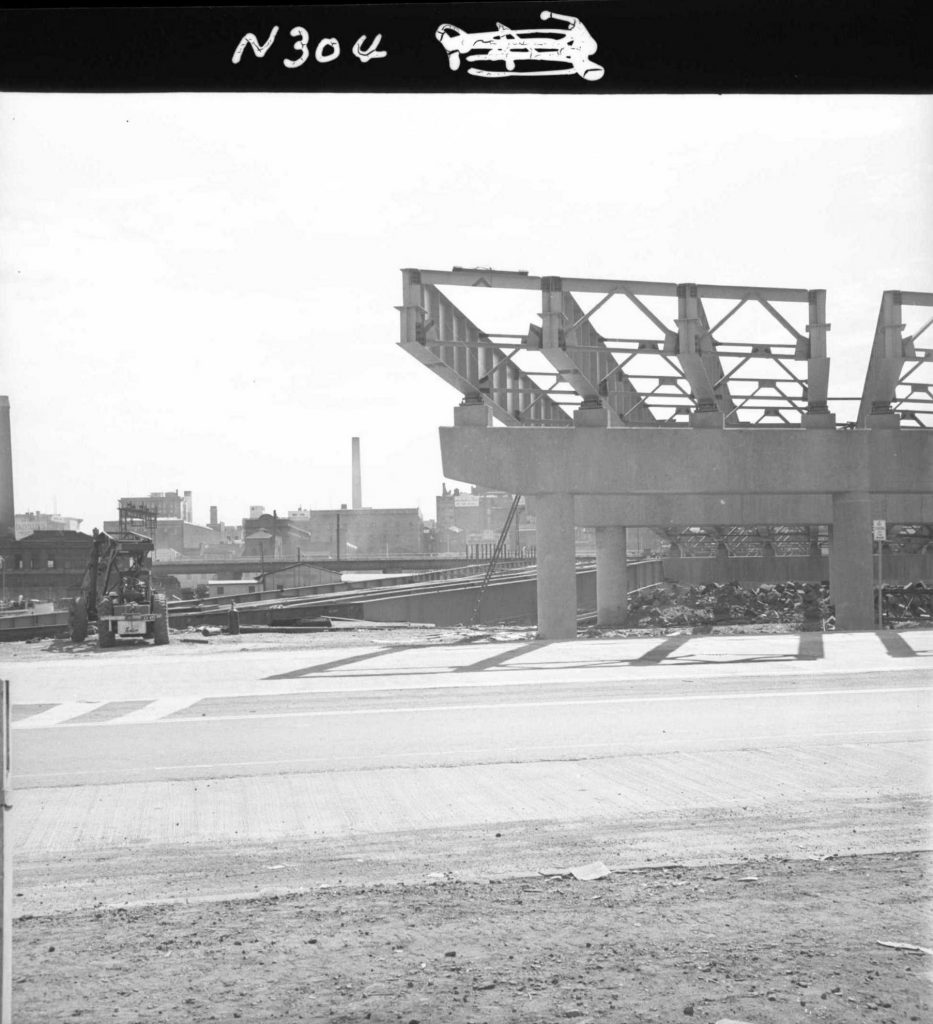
x: 879, y: 532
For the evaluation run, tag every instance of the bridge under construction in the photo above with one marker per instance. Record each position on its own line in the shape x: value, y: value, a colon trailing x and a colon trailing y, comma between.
x: 671, y: 424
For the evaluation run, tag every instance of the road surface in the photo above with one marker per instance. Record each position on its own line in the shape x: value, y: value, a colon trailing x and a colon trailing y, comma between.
x: 214, y: 829
x: 330, y: 747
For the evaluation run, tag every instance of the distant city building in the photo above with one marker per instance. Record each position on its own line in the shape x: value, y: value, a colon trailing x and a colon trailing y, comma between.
x: 46, y: 565
x: 470, y: 519
x: 188, y: 540
x: 361, y: 532
x: 28, y: 522
x: 166, y: 504
x: 467, y: 519
x: 299, y: 576
x: 255, y: 511
x: 333, y: 533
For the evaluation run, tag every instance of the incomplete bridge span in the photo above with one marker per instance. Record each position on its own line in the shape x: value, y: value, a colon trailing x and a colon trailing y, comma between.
x: 673, y: 420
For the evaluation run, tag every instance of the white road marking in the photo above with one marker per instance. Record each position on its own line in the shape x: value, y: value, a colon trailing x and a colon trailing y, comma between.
x: 670, y: 746
x: 155, y: 713
x: 152, y: 712
x: 60, y: 713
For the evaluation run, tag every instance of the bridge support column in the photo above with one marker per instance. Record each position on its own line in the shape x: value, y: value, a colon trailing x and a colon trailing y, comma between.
x: 611, y: 576
x: 850, y: 561
x: 557, y: 570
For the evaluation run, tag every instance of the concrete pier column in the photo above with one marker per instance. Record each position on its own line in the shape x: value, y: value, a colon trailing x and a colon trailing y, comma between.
x: 611, y: 576
x: 557, y: 570
x: 850, y: 561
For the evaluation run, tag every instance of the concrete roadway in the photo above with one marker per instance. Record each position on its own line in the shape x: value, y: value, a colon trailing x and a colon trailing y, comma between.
x: 197, y: 745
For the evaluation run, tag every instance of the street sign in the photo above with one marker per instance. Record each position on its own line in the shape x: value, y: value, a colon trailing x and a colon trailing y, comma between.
x: 879, y: 529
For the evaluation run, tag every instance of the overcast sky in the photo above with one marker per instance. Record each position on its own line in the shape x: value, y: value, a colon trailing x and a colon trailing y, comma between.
x: 198, y: 291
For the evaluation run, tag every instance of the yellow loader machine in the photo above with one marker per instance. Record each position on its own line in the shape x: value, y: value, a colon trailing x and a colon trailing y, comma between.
x: 116, y: 592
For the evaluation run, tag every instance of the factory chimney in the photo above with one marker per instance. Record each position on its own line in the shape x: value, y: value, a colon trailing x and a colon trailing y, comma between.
x: 357, y: 476
x: 7, y: 518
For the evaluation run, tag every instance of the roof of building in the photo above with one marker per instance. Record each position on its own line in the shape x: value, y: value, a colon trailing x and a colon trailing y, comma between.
x: 49, y: 535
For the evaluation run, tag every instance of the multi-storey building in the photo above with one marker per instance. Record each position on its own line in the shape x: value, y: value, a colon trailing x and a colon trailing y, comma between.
x: 166, y: 504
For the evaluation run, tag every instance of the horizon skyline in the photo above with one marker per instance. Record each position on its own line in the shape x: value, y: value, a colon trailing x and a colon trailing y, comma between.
x: 203, y: 287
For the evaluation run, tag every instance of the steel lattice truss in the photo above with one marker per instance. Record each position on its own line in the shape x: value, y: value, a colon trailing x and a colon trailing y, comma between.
x: 910, y: 539
x: 900, y: 372
x: 671, y: 366
x: 738, y: 541
x: 674, y: 365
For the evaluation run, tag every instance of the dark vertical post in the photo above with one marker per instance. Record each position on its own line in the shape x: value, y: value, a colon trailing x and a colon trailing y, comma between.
x: 6, y: 860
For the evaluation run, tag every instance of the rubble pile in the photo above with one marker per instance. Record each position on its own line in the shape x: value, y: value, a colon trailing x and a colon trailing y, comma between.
x: 806, y: 605
x: 710, y: 604
x: 911, y: 603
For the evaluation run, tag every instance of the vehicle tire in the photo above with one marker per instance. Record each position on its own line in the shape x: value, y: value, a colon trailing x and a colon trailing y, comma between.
x: 160, y: 625
x: 106, y: 634
x: 77, y: 620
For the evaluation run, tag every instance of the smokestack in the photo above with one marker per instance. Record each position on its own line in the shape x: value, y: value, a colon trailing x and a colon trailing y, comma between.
x: 7, y: 518
x: 357, y: 476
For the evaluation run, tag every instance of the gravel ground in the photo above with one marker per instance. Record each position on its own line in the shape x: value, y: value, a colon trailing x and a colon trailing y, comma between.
x: 769, y: 943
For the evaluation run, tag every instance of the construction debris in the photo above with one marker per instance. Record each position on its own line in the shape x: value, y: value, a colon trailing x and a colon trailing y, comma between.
x: 582, y: 872
x: 906, y: 945
x: 804, y: 605
x: 719, y: 603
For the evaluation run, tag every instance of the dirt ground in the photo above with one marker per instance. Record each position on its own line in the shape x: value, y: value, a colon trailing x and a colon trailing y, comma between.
x: 762, y: 939
x: 192, y: 643
x: 767, y: 942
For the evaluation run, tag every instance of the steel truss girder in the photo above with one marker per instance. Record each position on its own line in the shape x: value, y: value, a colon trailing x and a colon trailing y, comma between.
x: 746, y: 541
x: 441, y: 337
x: 909, y: 538
x: 894, y: 359
x: 602, y: 371
x: 578, y: 352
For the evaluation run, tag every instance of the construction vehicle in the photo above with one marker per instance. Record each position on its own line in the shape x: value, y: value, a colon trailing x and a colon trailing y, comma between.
x: 116, y: 590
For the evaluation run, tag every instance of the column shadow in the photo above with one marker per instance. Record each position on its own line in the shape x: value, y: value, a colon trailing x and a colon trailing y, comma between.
x: 810, y: 647
x: 661, y: 651
x: 503, y: 657
x: 896, y: 645
x: 353, y: 659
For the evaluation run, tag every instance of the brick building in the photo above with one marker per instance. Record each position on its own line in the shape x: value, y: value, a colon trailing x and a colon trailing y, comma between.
x: 468, y: 519
x: 28, y: 522
x: 361, y: 532
x: 47, y: 565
